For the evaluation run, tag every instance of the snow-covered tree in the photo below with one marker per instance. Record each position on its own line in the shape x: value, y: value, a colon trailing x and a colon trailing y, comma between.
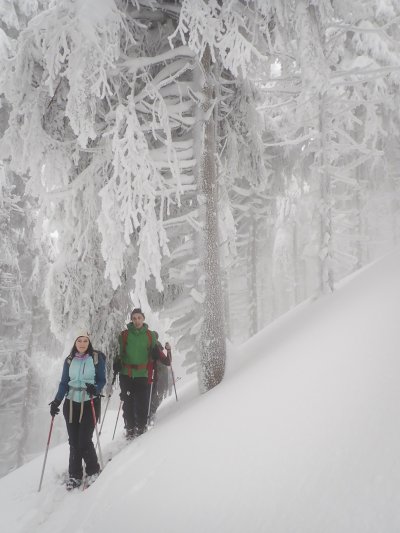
x: 100, y: 114
x: 224, y: 36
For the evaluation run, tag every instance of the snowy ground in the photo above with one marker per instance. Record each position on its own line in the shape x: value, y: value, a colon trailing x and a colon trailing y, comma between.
x: 302, y: 436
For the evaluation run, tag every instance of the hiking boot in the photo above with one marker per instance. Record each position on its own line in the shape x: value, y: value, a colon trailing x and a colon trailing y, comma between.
x: 130, y: 434
x: 91, y: 479
x: 139, y: 431
x: 73, y: 483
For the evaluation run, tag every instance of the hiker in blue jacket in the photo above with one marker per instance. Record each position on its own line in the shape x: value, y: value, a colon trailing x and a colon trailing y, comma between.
x: 83, y: 377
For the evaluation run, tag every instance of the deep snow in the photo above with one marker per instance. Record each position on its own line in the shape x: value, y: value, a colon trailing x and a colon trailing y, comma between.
x: 302, y: 436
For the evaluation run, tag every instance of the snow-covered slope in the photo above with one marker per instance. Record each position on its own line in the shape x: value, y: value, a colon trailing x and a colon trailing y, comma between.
x: 302, y: 436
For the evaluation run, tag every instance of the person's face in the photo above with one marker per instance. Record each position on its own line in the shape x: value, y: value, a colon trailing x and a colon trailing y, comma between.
x: 137, y: 320
x: 82, y: 344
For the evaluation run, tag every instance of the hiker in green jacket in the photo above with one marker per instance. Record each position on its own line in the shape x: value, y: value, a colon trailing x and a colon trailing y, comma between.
x: 137, y: 351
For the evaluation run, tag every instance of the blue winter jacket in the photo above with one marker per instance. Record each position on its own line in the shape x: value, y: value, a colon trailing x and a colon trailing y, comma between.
x: 69, y: 373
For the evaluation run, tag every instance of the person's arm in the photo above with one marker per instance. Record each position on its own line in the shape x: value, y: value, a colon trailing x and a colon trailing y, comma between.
x: 164, y: 359
x: 100, y: 373
x: 63, y: 386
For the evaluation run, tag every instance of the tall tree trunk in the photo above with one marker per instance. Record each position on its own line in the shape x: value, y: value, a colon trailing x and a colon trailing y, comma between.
x: 29, y: 391
x: 212, y: 343
x: 296, y: 267
x: 227, y: 306
x: 315, y: 79
x: 326, y: 245
x: 360, y: 172
x: 252, y: 276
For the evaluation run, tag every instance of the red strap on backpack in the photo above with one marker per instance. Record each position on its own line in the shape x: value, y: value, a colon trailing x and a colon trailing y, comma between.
x: 150, y: 359
x: 124, y: 336
x: 149, y: 337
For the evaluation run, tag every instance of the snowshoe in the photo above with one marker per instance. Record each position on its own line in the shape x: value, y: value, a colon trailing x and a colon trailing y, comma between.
x: 73, y: 483
x: 130, y: 434
x: 89, y: 480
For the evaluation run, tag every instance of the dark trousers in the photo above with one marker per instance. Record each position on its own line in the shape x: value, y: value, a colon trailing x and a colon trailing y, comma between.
x: 160, y: 387
x: 135, y: 395
x: 80, y: 438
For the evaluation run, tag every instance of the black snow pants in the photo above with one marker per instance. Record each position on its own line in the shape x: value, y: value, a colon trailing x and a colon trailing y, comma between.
x: 135, y: 395
x: 80, y: 438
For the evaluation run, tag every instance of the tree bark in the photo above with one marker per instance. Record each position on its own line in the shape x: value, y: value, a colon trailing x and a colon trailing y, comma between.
x: 252, y: 272
x: 326, y: 245
x: 213, y: 343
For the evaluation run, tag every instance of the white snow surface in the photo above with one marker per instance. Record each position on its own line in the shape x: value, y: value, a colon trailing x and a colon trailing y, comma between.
x: 303, y: 435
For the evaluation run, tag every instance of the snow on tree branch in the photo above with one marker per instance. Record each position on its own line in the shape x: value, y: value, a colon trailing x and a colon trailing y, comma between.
x: 228, y: 28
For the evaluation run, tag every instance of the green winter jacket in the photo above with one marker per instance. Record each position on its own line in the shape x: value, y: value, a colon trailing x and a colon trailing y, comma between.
x: 137, y: 350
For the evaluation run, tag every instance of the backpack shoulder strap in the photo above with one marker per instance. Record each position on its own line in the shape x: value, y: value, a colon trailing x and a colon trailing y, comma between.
x: 150, y: 363
x: 149, y: 337
x: 124, y: 338
x: 69, y: 359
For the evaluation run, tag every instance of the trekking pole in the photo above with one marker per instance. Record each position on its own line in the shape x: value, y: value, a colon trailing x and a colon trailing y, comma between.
x: 116, y: 422
x: 45, y: 455
x: 151, y: 395
x: 108, y: 401
x: 97, y: 432
x: 168, y: 348
x: 105, y: 411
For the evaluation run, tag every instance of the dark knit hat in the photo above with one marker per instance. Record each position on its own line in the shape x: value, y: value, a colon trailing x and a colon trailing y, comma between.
x: 137, y: 311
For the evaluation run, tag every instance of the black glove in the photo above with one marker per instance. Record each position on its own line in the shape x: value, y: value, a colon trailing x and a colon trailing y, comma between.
x: 54, y: 410
x: 117, y: 366
x: 91, y: 389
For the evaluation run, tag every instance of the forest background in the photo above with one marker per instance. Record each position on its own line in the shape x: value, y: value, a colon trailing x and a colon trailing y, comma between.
x: 214, y: 162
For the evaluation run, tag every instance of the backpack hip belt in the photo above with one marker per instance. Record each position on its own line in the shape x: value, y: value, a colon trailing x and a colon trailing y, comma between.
x: 134, y: 367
